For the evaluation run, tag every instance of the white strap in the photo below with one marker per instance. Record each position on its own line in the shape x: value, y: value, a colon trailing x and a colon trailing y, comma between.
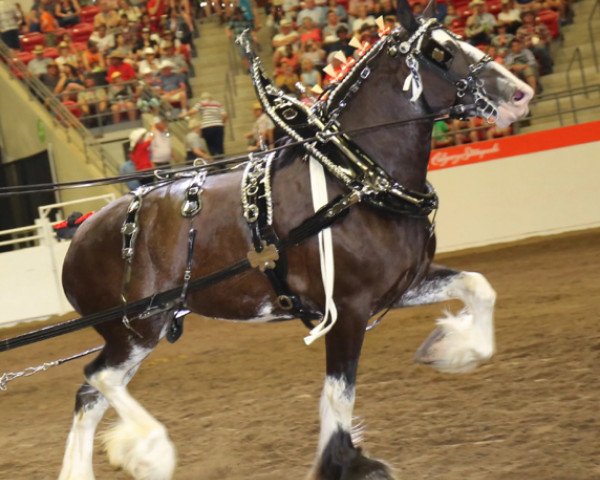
x: 318, y: 186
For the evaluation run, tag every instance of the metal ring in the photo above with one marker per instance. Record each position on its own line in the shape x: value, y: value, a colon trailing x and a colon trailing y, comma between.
x: 251, y: 213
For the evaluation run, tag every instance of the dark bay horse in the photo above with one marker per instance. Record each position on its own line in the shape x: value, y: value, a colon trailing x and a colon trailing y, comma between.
x: 380, y: 258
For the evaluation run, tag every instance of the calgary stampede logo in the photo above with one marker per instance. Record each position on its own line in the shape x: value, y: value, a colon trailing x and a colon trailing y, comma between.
x: 442, y: 159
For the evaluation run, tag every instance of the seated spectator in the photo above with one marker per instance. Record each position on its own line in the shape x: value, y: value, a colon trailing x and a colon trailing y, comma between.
x: 117, y: 64
x: 178, y: 25
x: 342, y: 43
x: 353, y: 6
x: 536, y: 37
x: 33, y: 20
x: 70, y: 83
x: 309, y: 76
x: 92, y: 58
x: 312, y: 10
x: 501, y: 40
x: 362, y: 18
x: 52, y: 76
x: 195, y: 144
x: 107, y: 16
x: 286, y: 37
x: 480, y: 25
x: 48, y: 23
x: 67, y: 13
x: 496, y: 132
x: 333, y: 22
x: 290, y: 58
x: 287, y: 78
x: 463, y: 132
x: 172, y: 85
x: 313, y: 52
x: 450, y: 16
x: 149, y: 61
x: 509, y: 16
x: 384, y: 8
x: 263, y: 131
x: 126, y: 28
x: 495, y: 54
x: 66, y: 56
x: 309, y: 31
x: 338, y: 9
x: 148, y: 91
x: 104, y: 41
x: 38, y: 65
x: 123, y: 45
x: 521, y: 62
x: 146, y: 40
x: 177, y: 59
x: 93, y: 102
x: 120, y: 96
x: 132, y: 12
x: 440, y: 136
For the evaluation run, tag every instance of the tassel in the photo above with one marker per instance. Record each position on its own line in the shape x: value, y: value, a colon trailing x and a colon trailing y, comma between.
x: 355, y: 43
x: 339, y: 55
x: 317, y: 89
x: 329, y: 70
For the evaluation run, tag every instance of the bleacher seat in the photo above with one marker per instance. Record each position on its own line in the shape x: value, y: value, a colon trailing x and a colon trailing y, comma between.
x: 51, y: 52
x: 24, y: 57
x: 494, y: 7
x: 88, y: 13
x: 30, y: 40
x: 81, y: 32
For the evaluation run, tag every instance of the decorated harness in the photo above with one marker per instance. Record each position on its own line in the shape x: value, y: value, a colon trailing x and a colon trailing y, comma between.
x: 317, y: 129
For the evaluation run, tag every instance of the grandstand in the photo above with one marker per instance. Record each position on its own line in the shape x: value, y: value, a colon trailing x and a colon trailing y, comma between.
x: 296, y: 41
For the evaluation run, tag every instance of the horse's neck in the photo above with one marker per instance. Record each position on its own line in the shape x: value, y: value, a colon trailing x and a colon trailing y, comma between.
x: 403, y: 151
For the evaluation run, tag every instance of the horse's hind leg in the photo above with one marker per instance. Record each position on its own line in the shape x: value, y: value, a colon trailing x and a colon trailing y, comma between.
x: 337, y: 457
x: 460, y: 342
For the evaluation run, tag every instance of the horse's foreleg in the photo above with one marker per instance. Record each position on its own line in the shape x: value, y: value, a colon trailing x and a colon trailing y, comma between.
x: 90, y: 406
x: 462, y: 341
x: 337, y: 456
x: 138, y: 443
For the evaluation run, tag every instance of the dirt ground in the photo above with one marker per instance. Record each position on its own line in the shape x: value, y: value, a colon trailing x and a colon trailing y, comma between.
x: 241, y: 401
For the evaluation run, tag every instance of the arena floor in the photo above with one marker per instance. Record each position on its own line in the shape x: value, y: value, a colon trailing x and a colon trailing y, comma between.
x: 240, y: 401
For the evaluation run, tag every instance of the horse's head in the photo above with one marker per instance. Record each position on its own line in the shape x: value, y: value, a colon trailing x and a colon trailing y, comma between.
x: 449, y: 71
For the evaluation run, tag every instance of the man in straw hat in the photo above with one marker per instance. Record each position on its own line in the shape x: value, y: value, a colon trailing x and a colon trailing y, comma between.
x: 172, y: 85
x: 117, y: 64
x: 38, y: 64
x: 480, y: 25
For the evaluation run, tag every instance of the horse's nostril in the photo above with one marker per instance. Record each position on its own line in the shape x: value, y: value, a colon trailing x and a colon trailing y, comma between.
x: 519, y: 95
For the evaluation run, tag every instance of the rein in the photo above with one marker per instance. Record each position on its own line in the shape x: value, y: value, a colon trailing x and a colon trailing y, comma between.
x: 232, y: 160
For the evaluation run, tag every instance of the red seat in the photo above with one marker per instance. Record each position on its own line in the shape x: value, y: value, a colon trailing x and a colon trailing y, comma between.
x: 88, y: 13
x: 466, y: 13
x: 494, y: 8
x: 550, y: 19
x: 30, y: 40
x: 81, y: 32
x: 51, y: 52
x: 73, y: 107
x: 460, y: 31
x: 80, y: 46
x: 24, y: 57
x: 457, y: 23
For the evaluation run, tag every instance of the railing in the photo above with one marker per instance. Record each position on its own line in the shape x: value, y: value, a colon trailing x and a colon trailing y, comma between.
x: 575, y: 57
x: 73, y: 129
x: 229, y: 98
x: 595, y: 9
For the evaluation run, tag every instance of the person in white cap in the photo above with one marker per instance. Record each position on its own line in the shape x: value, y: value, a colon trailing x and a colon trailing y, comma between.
x: 149, y: 61
x: 172, y: 85
x: 480, y: 25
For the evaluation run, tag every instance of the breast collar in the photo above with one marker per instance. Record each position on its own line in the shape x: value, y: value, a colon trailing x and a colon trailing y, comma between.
x: 338, y: 154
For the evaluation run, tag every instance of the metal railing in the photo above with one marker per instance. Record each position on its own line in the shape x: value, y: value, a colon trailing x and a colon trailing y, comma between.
x: 590, y: 21
x: 576, y: 57
x: 75, y: 132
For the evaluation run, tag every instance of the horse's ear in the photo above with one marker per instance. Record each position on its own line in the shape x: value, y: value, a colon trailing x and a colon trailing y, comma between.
x: 406, y: 17
x: 429, y: 11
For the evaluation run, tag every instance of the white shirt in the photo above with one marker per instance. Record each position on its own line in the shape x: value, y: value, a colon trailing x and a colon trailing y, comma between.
x: 160, y: 149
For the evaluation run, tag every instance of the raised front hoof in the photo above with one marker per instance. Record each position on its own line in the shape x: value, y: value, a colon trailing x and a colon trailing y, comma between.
x: 342, y: 461
x: 455, y: 346
x: 144, y: 453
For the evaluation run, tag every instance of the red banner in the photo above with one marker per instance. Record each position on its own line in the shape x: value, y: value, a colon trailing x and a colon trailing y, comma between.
x: 515, y: 145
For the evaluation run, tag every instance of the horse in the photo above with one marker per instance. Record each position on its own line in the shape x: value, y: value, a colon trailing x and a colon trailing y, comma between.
x: 382, y: 260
